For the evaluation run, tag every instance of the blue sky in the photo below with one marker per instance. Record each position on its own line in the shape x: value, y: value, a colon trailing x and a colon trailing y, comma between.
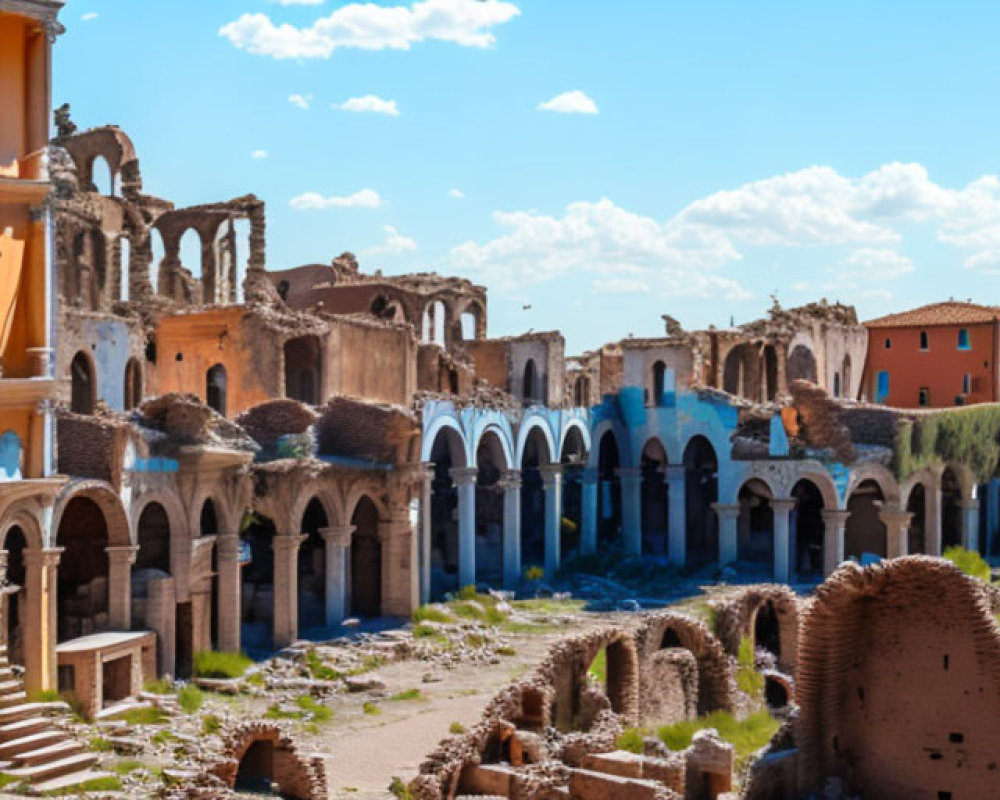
x: 838, y: 149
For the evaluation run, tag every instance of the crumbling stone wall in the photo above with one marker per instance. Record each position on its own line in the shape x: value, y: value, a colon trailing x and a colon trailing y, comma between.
x: 899, y: 683
x: 298, y: 776
x: 737, y: 619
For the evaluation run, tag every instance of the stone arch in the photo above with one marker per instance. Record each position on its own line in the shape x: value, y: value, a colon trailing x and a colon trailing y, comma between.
x: 580, y: 426
x: 535, y: 454
x: 701, y: 492
x: 573, y: 455
x: 312, y: 566
x: 133, y: 384
x: 332, y: 507
x: 83, y: 383
x: 101, y: 493
x: 801, y: 364
x: 808, y: 530
x: 609, y: 496
x: 880, y: 475
x: 444, y: 446
x: 528, y: 425
x: 755, y: 526
x: 491, y: 465
x: 366, y: 558
x: 738, y: 619
x: 654, y: 500
x: 500, y: 446
x: 454, y: 438
x: 216, y: 388
x: 30, y: 527
x: 865, y: 532
x: 577, y: 703
x: 716, y: 690
x: 14, y: 600
x: 263, y: 751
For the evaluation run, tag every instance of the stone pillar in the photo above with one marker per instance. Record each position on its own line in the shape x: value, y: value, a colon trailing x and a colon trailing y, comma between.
x: 897, y: 530
x: 932, y: 516
x: 970, y: 524
x: 631, y: 479
x: 286, y: 588
x: 678, y: 514
x: 729, y: 516
x: 511, y: 485
x: 552, y: 478
x: 465, y: 481
x: 588, y: 523
x: 41, y: 626
x: 338, y: 542
x: 230, y: 591
x: 781, y: 508
x: 834, y: 525
x: 161, y: 617
x: 426, y: 532
x: 120, y: 561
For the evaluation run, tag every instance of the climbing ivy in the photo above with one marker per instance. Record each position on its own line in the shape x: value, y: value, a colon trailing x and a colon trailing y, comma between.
x: 969, y: 436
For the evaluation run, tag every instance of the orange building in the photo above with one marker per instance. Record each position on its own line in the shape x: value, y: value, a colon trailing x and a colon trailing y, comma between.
x: 934, y: 356
x: 26, y: 30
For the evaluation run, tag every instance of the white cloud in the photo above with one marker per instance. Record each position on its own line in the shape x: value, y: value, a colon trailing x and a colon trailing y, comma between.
x: 395, y: 244
x: 299, y: 2
x: 620, y: 286
x: 90, y: 16
x: 313, y: 201
x: 300, y: 100
x: 369, y: 104
x: 259, y: 154
x: 575, y: 102
x: 874, y: 264
x: 458, y: 194
x: 367, y: 26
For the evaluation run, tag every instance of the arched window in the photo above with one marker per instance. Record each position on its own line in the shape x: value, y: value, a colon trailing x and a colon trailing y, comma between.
x: 133, y: 384
x: 215, y: 388
x: 530, y: 386
x: 924, y: 341
x: 101, y: 177
x: 659, y: 376
x: 83, y: 392
x: 836, y: 384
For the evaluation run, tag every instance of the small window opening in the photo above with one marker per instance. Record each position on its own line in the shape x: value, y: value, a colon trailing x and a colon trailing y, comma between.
x: 963, y: 339
x: 179, y: 357
x: 924, y: 398
x: 956, y: 738
x: 924, y: 342
x: 946, y: 659
x: 888, y: 344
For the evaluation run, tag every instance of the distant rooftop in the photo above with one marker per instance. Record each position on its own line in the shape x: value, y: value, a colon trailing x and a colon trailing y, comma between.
x: 948, y: 313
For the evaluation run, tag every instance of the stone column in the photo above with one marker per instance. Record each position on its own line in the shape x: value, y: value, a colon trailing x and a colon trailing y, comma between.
x: 120, y: 561
x: 41, y: 627
x: 631, y: 479
x: 932, y: 516
x: 729, y: 516
x: 161, y: 618
x: 677, y: 513
x: 781, y: 507
x: 510, y: 482
x: 230, y: 591
x: 465, y: 481
x: 338, y: 542
x: 834, y: 525
x: 588, y: 523
x: 970, y: 524
x: 897, y: 530
x: 552, y: 478
x: 426, y: 531
x: 286, y: 588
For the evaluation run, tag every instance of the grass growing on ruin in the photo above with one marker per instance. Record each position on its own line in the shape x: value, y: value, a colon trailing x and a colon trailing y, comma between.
x: 399, y: 789
x: 223, y: 666
x: 45, y: 696
x: 432, y: 613
x: 318, y: 669
x: 126, y: 766
x: 109, y: 783
x: 408, y: 694
x: 599, y: 667
x: 747, y: 678
x: 371, y: 708
x: 746, y: 735
x: 308, y: 708
x: 159, y: 686
x: 190, y: 698
x: 456, y: 728
x: 969, y: 561
x: 211, y: 724
x: 152, y: 715
x: 549, y: 605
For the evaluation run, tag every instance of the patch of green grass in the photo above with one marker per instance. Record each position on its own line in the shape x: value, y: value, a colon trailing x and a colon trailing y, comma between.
x: 126, y: 766
x: 7, y: 780
x: 408, y: 694
x: 432, y: 613
x: 969, y: 561
x: 162, y: 737
x: 549, y: 605
x: 478, y: 607
x: 309, y: 709
x: 399, y: 789
x: 151, y: 715
x: 369, y: 664
x: 257, y: 679
x: 529, y: 628
x: 746, y: 735
x: 211, y: 724
x: 456, y: 728
x: 371, y: 708
x: 99, y: 744
x: 190, y: 698
x: 109, y: 783
x: 159, y: 686
x: 319, y: 670
x: 747, y: 678
x: 631, y: 739
x: 599, y: 667
x: 476, y: 640
x: 224, y: 666
x: 45, y: 696
x: 506, y: 650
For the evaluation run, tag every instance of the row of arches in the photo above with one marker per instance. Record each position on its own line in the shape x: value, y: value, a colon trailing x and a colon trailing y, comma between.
x: 752, y: 370
x: 83, y: 384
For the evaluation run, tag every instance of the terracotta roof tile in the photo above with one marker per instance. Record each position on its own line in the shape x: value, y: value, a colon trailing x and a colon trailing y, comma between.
x: 949, y: 313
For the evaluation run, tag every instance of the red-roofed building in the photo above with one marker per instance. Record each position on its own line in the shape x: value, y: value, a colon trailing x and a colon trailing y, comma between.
x: 934, y: 356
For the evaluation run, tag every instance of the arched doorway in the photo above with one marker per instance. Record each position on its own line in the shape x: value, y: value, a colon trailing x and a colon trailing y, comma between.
x: 530, y: 383
x: 573, y: 459
x: 659, y: 382
x: 257, y: 620
x: 755, y: 541
x: 701, y: 490
x: 447, y: 453
x: 133, y: 384
x: 951, y: 510
x: 152, y: 565
x: 865, y: 532
x: 208, y: 525
x: 15, y: 601
x: 82, y: 596
x: 801, y: 364
x: 767, y: 630
x: 609, y: 495
x: 366, y: 561
x: 654, y: 499
x: 491, y: 463
x: 916, y: 505
x: 808, y: 531
x: 845, y: 379
x: 536, y: 454
x: 216, y: 388
x: 303, y: 360
x: 312, y: 569
x: 83, y: 388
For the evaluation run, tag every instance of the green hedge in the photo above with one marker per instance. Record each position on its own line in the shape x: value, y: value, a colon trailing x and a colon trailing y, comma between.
x: 969, y: 436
